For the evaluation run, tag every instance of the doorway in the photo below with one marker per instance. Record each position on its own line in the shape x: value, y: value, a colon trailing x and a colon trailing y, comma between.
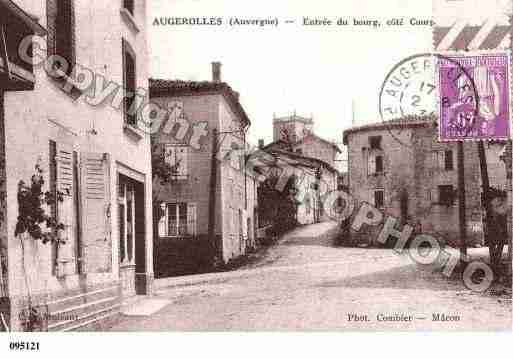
x: 132, y: 234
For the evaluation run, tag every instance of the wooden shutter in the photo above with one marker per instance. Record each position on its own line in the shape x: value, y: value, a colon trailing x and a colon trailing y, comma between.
x: 64, y: 161
x: 441, y: 160
x: 191, y: 219
x: 95, y: 192
x: 64, y: 32
x: 182, y: 158
x: 129, y: 80
x: 169, y: 155
x: 64, y: 164
x: 177, y: 153
x: 434, y: 159
x: 244, y: 224
x: 163, y: 224
x: 129, y: 5
x: 371, y: 162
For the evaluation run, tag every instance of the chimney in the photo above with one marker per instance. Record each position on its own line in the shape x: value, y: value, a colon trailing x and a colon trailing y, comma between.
x: 260, y: 143
x: 216, y: 71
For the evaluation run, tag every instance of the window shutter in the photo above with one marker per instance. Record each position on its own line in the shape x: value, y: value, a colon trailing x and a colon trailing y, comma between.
x: 441, y: 160
x: 64, y: 31
x: 64, y: 163
x: 169, y: 155
x: 244, y: 225
x: 182, y: 157
x: 163, y: 224
x: 191, y: 219
x: 371, y: 164
x: 97, y: 244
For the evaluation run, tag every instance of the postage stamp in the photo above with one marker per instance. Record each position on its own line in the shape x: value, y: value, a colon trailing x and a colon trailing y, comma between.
x: 474, y: 97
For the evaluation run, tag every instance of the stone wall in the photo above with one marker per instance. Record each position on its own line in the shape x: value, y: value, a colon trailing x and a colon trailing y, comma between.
x: 410, y: 181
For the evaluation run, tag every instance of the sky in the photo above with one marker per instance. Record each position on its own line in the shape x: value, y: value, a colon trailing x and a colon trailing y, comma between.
x: 314, y: 71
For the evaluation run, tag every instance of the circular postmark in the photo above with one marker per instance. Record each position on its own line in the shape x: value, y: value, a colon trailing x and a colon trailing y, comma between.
x: 409, y: 88
x: 411, y: 91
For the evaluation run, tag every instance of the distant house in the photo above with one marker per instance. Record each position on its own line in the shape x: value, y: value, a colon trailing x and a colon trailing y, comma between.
x: 295, y: 133
x: 312, y: 180
x: 401, y: 168
x: 184, y: 245
x: 310, y: 158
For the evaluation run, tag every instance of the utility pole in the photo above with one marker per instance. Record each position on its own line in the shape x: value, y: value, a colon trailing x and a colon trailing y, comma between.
x: 461, y: 202
x: 212, y: 196
x: 507, y: 158
x: 486, y: 190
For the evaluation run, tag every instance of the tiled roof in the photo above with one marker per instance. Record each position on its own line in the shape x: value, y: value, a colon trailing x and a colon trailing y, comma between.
x: 400, y: 123
x: 162, y: 88
x: 293, y: 118
x: 314, y: 136
x: 308, y: 161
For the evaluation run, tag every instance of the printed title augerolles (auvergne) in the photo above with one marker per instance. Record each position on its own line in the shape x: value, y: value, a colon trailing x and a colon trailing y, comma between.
x: 97, y: 90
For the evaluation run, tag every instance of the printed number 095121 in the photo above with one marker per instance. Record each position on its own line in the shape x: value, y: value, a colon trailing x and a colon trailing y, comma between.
x: 24, y: 346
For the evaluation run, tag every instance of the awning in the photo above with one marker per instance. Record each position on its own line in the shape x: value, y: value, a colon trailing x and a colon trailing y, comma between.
x: 14, y: 10
x: 15, y: 26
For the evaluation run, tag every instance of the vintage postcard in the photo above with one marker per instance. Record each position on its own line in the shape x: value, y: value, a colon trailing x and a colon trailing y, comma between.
x: 222, y: 165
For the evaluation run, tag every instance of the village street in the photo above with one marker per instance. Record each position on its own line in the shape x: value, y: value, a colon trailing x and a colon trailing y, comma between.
x: 305, y: 283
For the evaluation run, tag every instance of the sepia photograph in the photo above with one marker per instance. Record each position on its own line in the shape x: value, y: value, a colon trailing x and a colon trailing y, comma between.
x: 274, y: 166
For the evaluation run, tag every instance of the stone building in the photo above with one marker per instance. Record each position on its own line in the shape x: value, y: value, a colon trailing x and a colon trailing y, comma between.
x: 313, y: 180
x: 295, y: 133
x: 400, y: 167
x: 184, y: 245
x: 91, y: 152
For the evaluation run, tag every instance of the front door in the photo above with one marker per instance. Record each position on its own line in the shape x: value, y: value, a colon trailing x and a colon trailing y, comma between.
x: 131, y: 234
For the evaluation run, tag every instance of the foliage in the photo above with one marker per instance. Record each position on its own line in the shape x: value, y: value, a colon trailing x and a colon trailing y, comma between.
x: 277, y: 207
x: 31, y: 213
x: 162, y: 174
x: 161, y: 170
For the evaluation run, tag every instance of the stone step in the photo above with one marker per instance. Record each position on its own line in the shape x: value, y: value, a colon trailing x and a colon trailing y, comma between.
x: 93, y: 319
x: 83, y: 314
x: 74, y: 300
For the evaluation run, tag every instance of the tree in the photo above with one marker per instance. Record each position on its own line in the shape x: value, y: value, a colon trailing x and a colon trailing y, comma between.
x: 162, y: 175
x: 277, y: 207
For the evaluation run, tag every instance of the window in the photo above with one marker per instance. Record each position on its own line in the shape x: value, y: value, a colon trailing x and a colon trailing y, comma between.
x: 375, y: 164
x: 180, y: 220
x: 129, y: 83
x: 61, y: 34
x: 299, y: 151
x: 446, y: 195
x: 375, y: 142
x: 236, y: 158
x: 448, y: 160
x: 379, y: 164
x: 177, y: 219
x: 129, y: 6
x: 176, y: 156
x: 379, y: 198
x: 443, y: 160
